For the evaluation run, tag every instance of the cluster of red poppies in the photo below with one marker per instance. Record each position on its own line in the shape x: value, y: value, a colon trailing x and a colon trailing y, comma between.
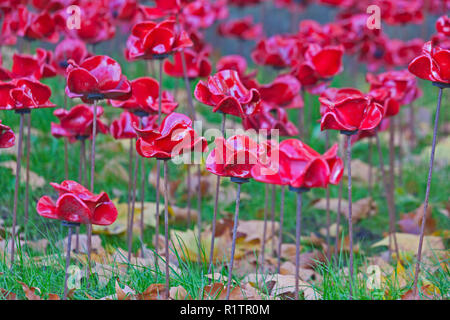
x: 172, y: 32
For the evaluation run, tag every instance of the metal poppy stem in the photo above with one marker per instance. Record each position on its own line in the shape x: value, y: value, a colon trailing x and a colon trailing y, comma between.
x: 272, y: 217
x: 216, y: 206
x: 142, y: 204
x: 301, y: 117
x: 280, y: 237
x: 392, y: 159
x: 70, y: 225
x: 66, y: 143
x: 388, y: 198
x: 412, y: 126
x: 328, y: 218
x: 350, y: 222
x: 199, y: 214
x: 338, y: 214
x: 188, y: 183
x: 27, y: 176
x: 239, y: 182
x: 427, y: 193
x: 130, y: 182
x: 17, y: 186
x: 400, y: 152
x: 166, y: 224
x: 82, y: 180
x: 266, y: 206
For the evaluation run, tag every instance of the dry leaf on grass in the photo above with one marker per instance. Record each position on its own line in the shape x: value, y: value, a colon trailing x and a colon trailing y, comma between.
x: 7, y: 295
x: 308, y: 260
x: 361, y: 209
x: 410, y: 243
x: 412, y: 222
x: 360, y: 171
x: 35, y: 180
x: 30, y: 292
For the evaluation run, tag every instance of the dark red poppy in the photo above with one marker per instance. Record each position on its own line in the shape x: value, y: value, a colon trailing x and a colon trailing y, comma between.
x: 122, y: 128
x: 98, y: 77
x: 69, y: 49
x: 124, y: 10
x: 277, y: 51
x: 362, y: 134
x: 233, y: 157
x: 432, y: 65
x: 400, y: 53
x: 201, y: 14
x: 319, y: 64
x: 174, y: 137
x: 37, y: 26
x: 243, y: 29
x: 22, y: 94
x: 401, y: 12
x: 270, y: 118
x: 145, y: 98
x: 238, y: 63
x: 51, y: 5
x: 197, y: 65
x: 348, y: 110
x: 38, y: 67
x: 300, y: 166
x: 78, y: 205
x: 151, y: 40
x: 7, y: 137
x: 9, y: 28
x: 282, y: 91
x: 443, y: 25
x: 169, y: 6
x: 199, y: 43
x: 225, y: 92
x: 77, y: 122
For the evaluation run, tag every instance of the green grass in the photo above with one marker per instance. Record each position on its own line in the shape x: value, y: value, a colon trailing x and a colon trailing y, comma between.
x: 47, y: 159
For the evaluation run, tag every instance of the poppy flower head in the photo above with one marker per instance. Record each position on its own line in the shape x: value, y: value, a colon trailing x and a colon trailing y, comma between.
x: 69, y: 49
x: 123, y: 128
x: 348, y: 110
x: 238, y: 63
x: 151, y: 40
x: 76, y: 204
x: 277, y: 51
x: 433, y: 64
x: 197, y: 64
x: 96, y: 78
x: 233, y: 157
x: 174, y: 137
x: 145, y: 98
x: 24, y: 94
x: 282, y: 91
x: 37, y: 67
x: 77, y: 123
x: 225, y: 92
x: 37, y: 26
x: 443, y: 25
x: 7, y: 137
x: 243, y: 29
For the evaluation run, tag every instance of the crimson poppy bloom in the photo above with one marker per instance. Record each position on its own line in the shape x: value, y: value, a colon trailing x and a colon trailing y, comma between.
x: 226, y: 93
x: 401, y: 53
x: 238, y: 63
x: 38, y: 66
x: 69, y: 49
x: 174, y: 137
x: 348, y: 110
x: 77, y: 122
x: 201, y: 14
x: 96, y: 78
x: 78, y: 205
x: 243, y: 29
x: 169, y: 6
x: 24, y: 94
x: 197, y: 64
x: 277, y: 51
x: 122, y: 128
x: 37, y: 26
x: 282, y: 91
x: 7, y: 137
x: 363, y: 134
x: 319, y: 64
x: 10, y: 27
x: 401, y: 12
x: 145, y: 98
x: 233, y: 157
x: 433, y: 64
x: 271, y: 117
x: 300, y: 166
x: 124, y: 10
x: 50, y: 5
x: 151, y: 40
x: 443, y: 25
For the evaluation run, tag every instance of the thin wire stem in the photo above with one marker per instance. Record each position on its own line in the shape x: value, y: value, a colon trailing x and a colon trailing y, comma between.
x: 166, y: 224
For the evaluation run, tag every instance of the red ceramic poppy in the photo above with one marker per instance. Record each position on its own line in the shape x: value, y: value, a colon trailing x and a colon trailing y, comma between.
x: 151, y: 40
x: 400, y: 53
x: 233, y: 157
x: 243, y: 29
x: 37, y: 26
x: 225, y: 92
x: 282, y: 91
x: 201, y: 14
x: 78, y: 205
x: 38, y: 66
x: 197, y: 65
x: 124, y: 10
x: 443, y: 25
x: 238, y: 63
x: 69, y: 49
x: 401, y: 12
x: 122, y: 128
x: 9, y: 27
x: 96, y: 78
x: 145, y: 98
x: 277, y: 51
x: 51, y: 5
x: 24, y: 94
x: 174, y: 137
x: 199, y: 43
x: 270, y: 118
x: 7, y: 137
x: 77, y: 123
x: 432, y: 65
x: 169, y: 6
x: 362, y: 134
x: 319, y: 64
x: 299, y: 166
x: 349, y: 110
